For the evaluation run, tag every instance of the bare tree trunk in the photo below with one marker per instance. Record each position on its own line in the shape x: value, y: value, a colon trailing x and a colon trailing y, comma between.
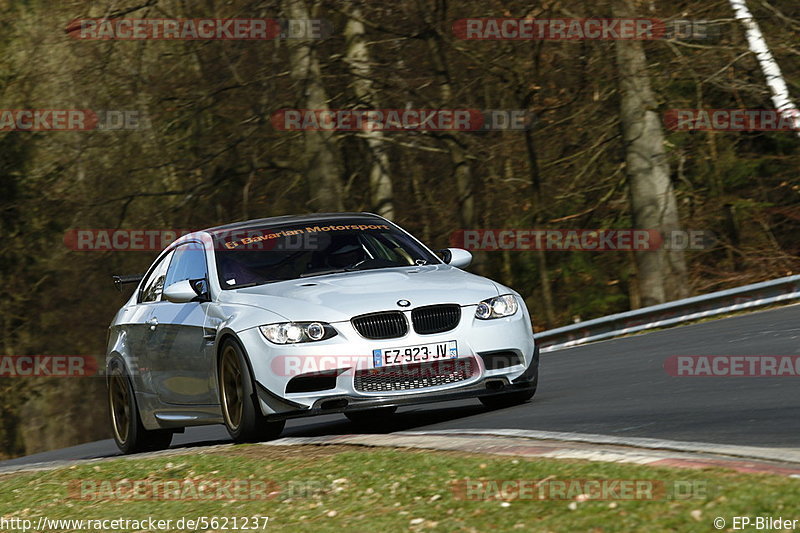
x: 535, y: 184
x: 458, y: 153
x: 634, y: 296
x: 321, y: 161
x: 662, y: 273
x: 772, y: 72
x: 357, y: 57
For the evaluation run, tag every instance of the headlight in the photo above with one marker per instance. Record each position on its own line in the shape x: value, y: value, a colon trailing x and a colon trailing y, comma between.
x: 294, y: 332
x: 497, y: 307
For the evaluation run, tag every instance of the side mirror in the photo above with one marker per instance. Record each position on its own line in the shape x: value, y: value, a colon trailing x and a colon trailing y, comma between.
x: 180, y: 292
x: 458, y: 257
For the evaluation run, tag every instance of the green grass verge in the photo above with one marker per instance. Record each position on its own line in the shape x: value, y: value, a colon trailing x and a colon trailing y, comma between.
x: 341, y: 488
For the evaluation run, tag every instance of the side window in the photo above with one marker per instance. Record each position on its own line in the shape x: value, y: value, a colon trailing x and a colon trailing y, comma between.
x: 154, y: 284
x: 188, y: 262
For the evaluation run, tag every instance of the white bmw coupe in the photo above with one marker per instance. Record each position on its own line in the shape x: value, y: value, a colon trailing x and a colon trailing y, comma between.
x: 253, y: 323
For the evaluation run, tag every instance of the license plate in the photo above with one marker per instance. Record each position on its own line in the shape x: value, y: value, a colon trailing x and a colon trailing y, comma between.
x: 420, y: 353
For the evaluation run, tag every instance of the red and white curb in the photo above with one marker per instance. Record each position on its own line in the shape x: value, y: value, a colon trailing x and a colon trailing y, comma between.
x: 556, y: 445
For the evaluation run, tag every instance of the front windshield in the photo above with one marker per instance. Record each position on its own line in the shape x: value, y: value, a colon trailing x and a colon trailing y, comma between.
x: 277, y: 253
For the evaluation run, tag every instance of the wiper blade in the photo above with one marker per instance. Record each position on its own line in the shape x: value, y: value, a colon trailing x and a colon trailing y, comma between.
x: 254, y: 283
x: 331, y: 271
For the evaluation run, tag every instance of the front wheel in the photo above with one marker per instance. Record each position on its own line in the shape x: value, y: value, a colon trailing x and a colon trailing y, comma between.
x: 240, y: 410
x: 126, y: 424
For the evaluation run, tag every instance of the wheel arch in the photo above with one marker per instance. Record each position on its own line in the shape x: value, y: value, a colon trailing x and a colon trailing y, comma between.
x: 260, y: 395
x: 229, y: 335
x: 113, y: 361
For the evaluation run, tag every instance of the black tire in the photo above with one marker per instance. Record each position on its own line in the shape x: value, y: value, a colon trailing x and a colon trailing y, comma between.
x: 238, y: 400
x: 375, y: 415
x: 126, y: 424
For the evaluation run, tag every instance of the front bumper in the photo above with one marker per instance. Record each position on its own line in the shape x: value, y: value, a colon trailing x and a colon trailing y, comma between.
x: 275, y: 366
x: 490, y: 386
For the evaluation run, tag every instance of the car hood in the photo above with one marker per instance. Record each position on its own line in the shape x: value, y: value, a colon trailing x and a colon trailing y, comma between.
x: 339, y: 297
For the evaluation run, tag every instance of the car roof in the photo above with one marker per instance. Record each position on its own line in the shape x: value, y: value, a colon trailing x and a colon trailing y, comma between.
x: 260, y: 223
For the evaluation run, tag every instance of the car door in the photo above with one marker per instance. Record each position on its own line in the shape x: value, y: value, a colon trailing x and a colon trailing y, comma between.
x: 140, y: 332
x: 180, y: 355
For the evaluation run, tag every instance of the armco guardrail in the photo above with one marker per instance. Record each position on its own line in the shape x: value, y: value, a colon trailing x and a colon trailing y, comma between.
x: 755, y: 295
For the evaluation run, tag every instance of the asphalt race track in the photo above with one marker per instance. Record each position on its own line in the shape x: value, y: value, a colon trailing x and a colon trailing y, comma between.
x: 617, y: 387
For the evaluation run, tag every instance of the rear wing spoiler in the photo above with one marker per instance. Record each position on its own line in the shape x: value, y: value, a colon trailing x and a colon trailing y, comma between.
x: 119, y: 281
